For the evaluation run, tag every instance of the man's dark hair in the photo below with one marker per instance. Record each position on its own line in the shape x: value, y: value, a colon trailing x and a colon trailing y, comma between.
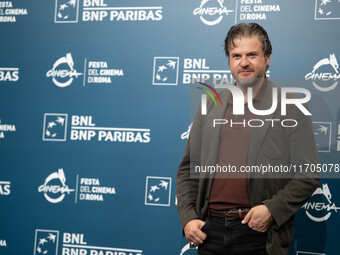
x: 248, y: 30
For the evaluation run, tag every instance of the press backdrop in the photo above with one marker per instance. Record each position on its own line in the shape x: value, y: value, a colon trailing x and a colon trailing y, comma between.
x: 95, y: 115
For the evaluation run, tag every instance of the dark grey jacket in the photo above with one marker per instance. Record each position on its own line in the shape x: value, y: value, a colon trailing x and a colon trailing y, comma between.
x: 283, y: 195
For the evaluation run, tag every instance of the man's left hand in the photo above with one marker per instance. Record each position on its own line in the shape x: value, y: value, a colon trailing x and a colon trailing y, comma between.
x: 259, y: 218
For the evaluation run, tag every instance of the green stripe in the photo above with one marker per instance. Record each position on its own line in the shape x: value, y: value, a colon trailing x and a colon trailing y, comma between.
x: 208, y: 92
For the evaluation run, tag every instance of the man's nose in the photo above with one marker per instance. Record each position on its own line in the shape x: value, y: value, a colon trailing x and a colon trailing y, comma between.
x: 244, y: 61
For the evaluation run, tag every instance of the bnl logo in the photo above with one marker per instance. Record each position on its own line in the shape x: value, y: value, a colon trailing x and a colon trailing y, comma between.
x: 327, y: 9
x: 55, y: 126
x: 46, y: 242
x: 66, y: 11
x: 165, y: 71
x: 158, y: 191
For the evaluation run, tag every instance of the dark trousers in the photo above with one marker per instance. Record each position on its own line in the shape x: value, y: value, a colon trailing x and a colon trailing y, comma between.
x: 231, y: 237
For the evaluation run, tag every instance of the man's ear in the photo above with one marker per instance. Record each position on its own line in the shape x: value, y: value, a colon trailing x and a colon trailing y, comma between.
x: 267, y: 57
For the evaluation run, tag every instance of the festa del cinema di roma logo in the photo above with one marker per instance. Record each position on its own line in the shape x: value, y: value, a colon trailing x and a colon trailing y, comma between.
x: 316, y: 209
x: 63, y: 71
x: 324, y: 77
x: 54, y: 187
x: 211, y: 12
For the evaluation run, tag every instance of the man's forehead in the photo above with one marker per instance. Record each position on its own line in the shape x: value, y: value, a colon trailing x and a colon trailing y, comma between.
x: 253, y: 41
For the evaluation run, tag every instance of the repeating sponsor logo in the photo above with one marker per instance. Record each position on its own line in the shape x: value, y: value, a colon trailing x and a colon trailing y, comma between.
x: 308, y: 253
x: 165, y: 71
x: 91, y: 189
x: 323, y: 132
x: 86, y: 189
x: 187, y: 248
x: 67, y: 11
x: 328, y: 79
x: 3, y: 243
x: 73, y: 243
x: 327, y: 9
x: 99, y: 72
x: 61, y: 76
x: 55, y: 188
x: 320, y: 207
x: 6, y: 128
x: 9, y: 74
x: 157, y: 191
x: 95, y: 72
x: 194, y: 70
x: 84, y: 129
x: 211, y: 12
x: 55, y: 126
x: 256, y: 10
x: 46, y: 242
x: 185, y: 135
x: 338, y: 142
x: 9, y: 13
x: 5, y: 188
x: 197, y: 70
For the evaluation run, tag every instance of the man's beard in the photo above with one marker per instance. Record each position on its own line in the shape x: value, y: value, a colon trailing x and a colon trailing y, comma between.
x: 246, y: 82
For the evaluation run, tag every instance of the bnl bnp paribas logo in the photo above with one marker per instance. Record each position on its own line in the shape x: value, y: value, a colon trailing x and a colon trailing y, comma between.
x: 83, y: 128
x: 47, y: 242
x: 323, y: 134
x: 67, y: 11
x: 327, y: 9
x: 9, y: 74
x: 158, y: 191
x: 320, y: 206
x: 325, y: 74
x: 166, y: 72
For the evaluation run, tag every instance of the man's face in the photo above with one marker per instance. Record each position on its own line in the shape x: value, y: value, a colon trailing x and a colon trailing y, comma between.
x: 246, y: 60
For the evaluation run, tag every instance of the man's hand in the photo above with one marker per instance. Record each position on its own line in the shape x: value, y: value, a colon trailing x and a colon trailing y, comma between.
x: 259, y: 218
x: 193, y: 232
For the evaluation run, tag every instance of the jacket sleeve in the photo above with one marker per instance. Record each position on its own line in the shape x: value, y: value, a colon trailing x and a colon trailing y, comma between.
x: 187, y: 181
x: 297, y: 191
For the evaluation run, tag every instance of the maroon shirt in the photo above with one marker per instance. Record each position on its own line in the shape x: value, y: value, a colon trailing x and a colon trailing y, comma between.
x: 231, y: 190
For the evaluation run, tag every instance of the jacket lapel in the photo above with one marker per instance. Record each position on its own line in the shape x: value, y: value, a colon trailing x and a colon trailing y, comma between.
x: 258, y: 134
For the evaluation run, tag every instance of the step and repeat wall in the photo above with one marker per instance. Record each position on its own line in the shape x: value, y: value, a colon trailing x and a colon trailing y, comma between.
x: 95, y: 115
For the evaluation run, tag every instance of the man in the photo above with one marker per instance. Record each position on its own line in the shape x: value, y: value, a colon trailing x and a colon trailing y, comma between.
x: 245, y: 213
